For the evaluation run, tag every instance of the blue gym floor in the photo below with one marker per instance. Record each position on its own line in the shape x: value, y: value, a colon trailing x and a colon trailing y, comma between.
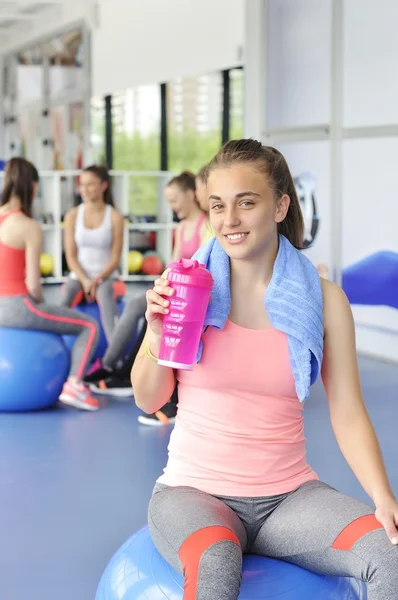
x: 75, y: 485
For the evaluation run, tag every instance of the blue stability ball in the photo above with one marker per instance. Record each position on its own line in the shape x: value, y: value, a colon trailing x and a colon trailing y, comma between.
x: 137, y: 571
x: 33, y: 368
x: 93, y: 311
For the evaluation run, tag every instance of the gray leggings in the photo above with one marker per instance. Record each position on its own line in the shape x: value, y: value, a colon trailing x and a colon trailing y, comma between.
x: 204, y: 536
x: 124, y: 330
x: 21, y: 312
x: 105, y: 298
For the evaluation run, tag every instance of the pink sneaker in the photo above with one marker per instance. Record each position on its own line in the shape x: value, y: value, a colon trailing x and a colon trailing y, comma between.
x: 77, y: 395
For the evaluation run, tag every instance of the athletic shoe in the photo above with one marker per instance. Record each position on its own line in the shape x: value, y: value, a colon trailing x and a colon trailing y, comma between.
x: 113, y: 386
x: 77, y: 395
x: 165, y: 416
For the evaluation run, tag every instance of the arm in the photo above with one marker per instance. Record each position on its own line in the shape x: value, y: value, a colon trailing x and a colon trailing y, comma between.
x: 153, y: 384
x: 117, y: 244
x: 33, y: 249
x: 71, y: 248
x: 350, y: 421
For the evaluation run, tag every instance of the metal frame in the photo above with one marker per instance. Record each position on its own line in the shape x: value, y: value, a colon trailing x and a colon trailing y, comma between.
x: 226, y: 106
x: 255, y: 63
x: 164, y: 155
x: 108, y: 132
x: 336, y: 138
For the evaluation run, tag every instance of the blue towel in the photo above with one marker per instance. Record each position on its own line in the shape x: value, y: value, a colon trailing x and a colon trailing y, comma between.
x: 293, y: 301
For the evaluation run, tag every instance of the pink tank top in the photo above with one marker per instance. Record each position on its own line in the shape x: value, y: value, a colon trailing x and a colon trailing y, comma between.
x: 189, y: 247
x: 239, y: 429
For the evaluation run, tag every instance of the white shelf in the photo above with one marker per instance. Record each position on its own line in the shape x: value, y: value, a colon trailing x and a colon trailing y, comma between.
x: 48, y: 280
x: 57, y: 190
x: 139, y: 277
x: 128, y: 278
x: 47, y: 227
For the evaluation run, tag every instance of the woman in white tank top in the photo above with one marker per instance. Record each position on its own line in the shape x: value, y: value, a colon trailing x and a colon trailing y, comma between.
x: 93, y: 239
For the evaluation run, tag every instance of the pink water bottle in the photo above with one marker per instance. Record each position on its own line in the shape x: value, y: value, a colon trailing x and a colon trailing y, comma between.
x: 183, y: 325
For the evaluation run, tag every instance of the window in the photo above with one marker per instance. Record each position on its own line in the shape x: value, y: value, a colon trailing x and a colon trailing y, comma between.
x: 236, y: 103
x: 98, y: 131
x: 136, y: 143
x: 194, y: 111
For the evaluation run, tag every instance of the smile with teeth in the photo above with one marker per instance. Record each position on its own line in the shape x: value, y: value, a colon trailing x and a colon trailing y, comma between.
x: 235, y: 236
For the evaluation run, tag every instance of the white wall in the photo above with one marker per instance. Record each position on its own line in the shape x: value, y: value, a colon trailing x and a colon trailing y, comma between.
x: 298, y: 65
x: 296, y: 61
x: 136, y: 42
x: 298, y: 51
x: 150, y: 41
x: 371, y: 59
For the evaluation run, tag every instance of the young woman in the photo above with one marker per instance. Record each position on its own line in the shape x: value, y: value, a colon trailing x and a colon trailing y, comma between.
x: 93, y: 246
x: 190, y: 235
x: 21, y: 297
x: 237, y: 479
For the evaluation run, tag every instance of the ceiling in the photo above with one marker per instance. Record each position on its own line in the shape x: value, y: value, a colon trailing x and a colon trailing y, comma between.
x: 21, y: 16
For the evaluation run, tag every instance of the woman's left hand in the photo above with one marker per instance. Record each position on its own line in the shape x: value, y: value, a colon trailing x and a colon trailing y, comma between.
x: 92, y: 293
x: 387, y: 515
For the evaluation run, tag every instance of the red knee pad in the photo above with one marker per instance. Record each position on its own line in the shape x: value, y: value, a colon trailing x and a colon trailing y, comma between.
x: 192, y: 550
x: 355, y: 531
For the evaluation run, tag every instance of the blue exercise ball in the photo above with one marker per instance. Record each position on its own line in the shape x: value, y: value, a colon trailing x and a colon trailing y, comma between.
x: 137, y: 571
x: 92, y: 310
x: 33, y: 368
x: 372, y: 281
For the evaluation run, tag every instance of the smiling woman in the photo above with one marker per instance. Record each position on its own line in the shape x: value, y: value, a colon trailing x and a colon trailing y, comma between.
x: 263, y: 195
x: 237, y: 478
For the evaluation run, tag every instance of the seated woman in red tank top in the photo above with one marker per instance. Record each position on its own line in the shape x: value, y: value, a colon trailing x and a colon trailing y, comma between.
x: 21, y: 296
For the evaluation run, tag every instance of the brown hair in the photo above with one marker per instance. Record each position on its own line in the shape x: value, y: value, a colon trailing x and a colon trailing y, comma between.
x: 20, y: 175
x: 271, y: 162
x: 185, y: 181
x: 103, y: 174
x: 202, y: 174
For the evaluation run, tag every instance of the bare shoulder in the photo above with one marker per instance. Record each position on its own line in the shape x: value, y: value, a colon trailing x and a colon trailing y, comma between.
x: 117, y: 217
x: 336, y: 307
x: 70, y: 215
x: 32, y: 228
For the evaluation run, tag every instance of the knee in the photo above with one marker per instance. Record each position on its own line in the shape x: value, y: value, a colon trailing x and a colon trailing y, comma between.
x: 379, y: 558
x: 211, y: 559
x: 214, y: 546
x: 384, y: 565
x: 105, y: 288
x: 135, y: 308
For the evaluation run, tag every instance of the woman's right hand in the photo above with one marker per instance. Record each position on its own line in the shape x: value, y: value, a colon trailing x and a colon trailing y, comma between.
x: 86, y: 285
x: 158, y: 305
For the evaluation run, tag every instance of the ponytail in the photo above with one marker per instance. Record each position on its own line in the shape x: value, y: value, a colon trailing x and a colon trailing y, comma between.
x: 185, y: 181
